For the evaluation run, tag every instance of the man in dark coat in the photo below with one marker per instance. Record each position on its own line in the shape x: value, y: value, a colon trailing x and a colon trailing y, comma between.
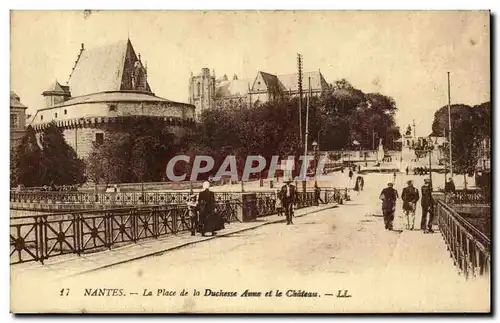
x: 317, y: 195
x: 289, y: 198
x: 449, y: 187
x: 209, y: 221
x: 388, y: 196
x: 427, y: 207
x: 410, y: 198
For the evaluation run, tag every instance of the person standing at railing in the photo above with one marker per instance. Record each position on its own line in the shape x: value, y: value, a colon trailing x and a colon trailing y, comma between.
x: 317, y: 195
x: 192, y: 205
x: 289, y: 194
x: 208, y: 219
x: 410, y: 198
x: 449, y: 187
x: 388, y: 196
x: 278, y: 206
x: 427, y: 207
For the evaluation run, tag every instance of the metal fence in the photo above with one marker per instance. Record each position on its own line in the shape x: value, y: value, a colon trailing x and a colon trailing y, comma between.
x: 469, y: 248
x: 119, y: 198
x: 474, y: 197
x: 139, y: 198
x: 39, y: 237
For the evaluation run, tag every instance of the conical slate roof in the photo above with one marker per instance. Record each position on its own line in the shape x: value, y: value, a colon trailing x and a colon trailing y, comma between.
x: 104, y: 68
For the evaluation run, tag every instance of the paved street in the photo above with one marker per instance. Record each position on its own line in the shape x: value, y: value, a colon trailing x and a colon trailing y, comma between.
x: 341, y: 248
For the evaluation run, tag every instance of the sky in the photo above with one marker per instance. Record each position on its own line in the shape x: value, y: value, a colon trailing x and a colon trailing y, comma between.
x: 402, y: 54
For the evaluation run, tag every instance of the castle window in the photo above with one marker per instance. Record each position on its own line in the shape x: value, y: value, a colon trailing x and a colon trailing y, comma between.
x: 112, y: 107
x: 65, y: 111
x: 41, y: 117
x: 199, y: 89
x: 14, y: 121
x: 55, y: 114
x: 99, y: 138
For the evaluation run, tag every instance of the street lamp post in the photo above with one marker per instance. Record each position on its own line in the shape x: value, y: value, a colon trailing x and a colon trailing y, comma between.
x: 316, y: 161
x: 430, y: 148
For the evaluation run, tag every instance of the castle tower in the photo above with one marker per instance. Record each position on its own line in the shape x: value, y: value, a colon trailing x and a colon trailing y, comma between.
x: 56, y: 94
x: 202, y: 91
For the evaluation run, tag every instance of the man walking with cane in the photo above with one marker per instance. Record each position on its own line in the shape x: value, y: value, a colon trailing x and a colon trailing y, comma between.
x: 388, y: 196
x: 288, y: 195
x: 427, y: 207
x: 410, y: 198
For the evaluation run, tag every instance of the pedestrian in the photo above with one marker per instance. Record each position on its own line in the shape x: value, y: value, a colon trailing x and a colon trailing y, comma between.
x: 317, y: 195
x: 360, y: 182
x: 394, y: 177
x: 388, y: 196
x: 410, y: 198
x: 279, y: 204
x: 407, y: 170
x: 427, y: 204
x: 449, y: 187
x: 192, y: 205
x: 350, y: 173
x: 209, y: 221
x: 289, y: 194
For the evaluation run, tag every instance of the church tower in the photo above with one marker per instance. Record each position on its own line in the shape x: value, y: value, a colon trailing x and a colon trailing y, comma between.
x: 202, y: 91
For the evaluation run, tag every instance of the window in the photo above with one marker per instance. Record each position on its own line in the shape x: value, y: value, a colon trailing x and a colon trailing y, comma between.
x: 65, y: 111
x: 199, y: 89
x: 99, y: 138
x: 112, y: 107
x: 41, y: 117
x: 55, y: 114
x: 14, y: 121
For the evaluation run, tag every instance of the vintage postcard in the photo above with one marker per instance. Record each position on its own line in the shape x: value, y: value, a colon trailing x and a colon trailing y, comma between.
x: 250, y: 162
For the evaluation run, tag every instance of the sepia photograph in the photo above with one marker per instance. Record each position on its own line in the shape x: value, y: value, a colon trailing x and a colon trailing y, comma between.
x: 248, y: 162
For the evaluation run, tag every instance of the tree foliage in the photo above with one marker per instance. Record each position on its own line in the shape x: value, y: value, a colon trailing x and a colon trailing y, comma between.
x: 60, y: 163
x: 137, y: 153
x: 470, y: 126
x: 26, y: 161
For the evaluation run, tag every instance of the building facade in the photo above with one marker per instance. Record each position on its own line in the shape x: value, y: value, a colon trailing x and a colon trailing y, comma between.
x: 107, y: 86
x: 17, y: 120
x: 206, y: 91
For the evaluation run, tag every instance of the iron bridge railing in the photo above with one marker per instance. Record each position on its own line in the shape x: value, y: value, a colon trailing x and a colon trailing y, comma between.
x: 469, y: 247
x: 472, y: 196
x: 39, y: 237
x: 145, y: 198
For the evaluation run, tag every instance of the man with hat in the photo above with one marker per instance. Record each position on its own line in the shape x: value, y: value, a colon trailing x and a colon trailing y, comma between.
x: 427, y: 207
x: 410, y: 198
x: 288, y: 196
x: 388, y: 196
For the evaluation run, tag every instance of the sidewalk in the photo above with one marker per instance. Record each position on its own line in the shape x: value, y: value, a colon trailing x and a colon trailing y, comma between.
x: 71, y: 264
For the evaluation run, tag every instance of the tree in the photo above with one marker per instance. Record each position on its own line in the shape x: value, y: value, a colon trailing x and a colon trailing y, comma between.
x: 109, y: 161
x: 60, y: 163
x: 470, y: 125
x: 26, y: 161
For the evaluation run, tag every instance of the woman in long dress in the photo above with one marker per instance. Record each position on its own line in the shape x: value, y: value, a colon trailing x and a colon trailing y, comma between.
x: 210, y: 221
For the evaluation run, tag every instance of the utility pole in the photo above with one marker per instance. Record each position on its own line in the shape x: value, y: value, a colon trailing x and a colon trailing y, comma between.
x: 299, y: 82
x: 304, y: 183
x: 414, y: 130
x: 449, y: 126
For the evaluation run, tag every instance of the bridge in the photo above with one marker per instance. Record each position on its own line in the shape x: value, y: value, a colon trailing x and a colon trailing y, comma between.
x: 329, y: 247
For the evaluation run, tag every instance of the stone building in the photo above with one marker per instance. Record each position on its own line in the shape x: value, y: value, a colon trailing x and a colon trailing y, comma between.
x: 106, y: 87
x: 205, y: 91
x: 17, y: 119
